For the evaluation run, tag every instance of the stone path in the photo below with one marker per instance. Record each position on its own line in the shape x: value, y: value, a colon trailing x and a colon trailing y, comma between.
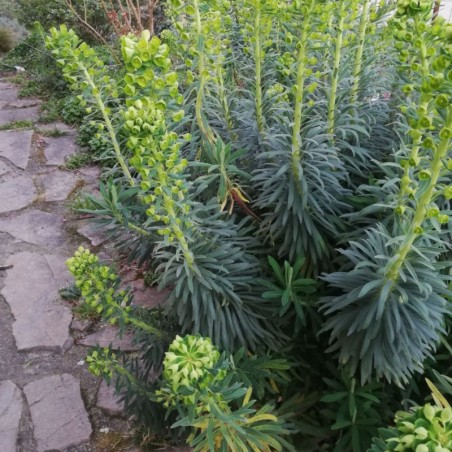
x: 48, y: 399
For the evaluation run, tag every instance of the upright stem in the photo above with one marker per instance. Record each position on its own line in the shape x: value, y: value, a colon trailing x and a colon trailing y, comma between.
x: 258, y: 64
x: 425, y: 68
x: 205, y: 128
x: 359, y: 51
x: 423, y: 203
x: 223, y: 98
x: 299, y: 94
x: 110, y: 128
x: 168, y: 203
x: 335, y: 75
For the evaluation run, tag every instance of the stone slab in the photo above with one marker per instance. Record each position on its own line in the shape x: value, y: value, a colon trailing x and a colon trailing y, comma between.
x: 59, y: 416
x: 10, y: 415
x: 31, y: 290
x: 59, y: 185
x: 109, y: 336
x: 95, y: 236
x: 16, y: 193
x: 20, y: 103
x: 18, y: 114
x: 147, y: 297
x: 58, y: 149
x: 15, y: 146
x: 35, y: 226
x: 4, y: 168
x: 6, y: 85
x: 8, y: 93
x: 108, y: 401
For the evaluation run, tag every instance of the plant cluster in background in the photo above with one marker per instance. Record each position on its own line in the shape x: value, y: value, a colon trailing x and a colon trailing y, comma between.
x: 285, y: 168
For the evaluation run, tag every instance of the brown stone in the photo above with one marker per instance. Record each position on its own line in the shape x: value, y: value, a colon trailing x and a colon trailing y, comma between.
x: 147, y: 297
x: 95, y: 236
x: 109, y: 336
x: 107, y: 400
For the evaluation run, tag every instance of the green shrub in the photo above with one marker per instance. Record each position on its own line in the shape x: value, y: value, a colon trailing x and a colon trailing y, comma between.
x: 274, y: 128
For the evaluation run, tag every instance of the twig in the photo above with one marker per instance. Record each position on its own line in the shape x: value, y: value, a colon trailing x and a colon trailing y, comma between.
x: 93, y: 31
x: 6, y: 267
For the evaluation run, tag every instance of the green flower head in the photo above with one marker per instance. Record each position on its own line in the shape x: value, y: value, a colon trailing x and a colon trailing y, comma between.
x: 187, y: 361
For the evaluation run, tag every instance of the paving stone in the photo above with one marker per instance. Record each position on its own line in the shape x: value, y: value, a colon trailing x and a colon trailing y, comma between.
x: 6, y: 85
x: 16, y: 193
x: 95, y: 236
x: 109, y: 335
x: 35, y: 226
x: 8, y: 92
x: 147, y: 297
x: 10, y: 414
x: 58, y: 149
x: 4, y: 168
x: 108, y: 401
x: 18, y: 114
x: 20, y: 103
x: 59, y: 416
x: 31, y: 289
x: 59, y: 185
x: 16, y: 146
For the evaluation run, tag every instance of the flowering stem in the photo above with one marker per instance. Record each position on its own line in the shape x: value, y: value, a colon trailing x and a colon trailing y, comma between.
x: 205, y: 128
x: 109, y: 126
x: 299, y: 94
x: 188, y: 255
x: 421, y: 210
x: 359, y: 51
x: 335, y: 74
x: 258, y: 63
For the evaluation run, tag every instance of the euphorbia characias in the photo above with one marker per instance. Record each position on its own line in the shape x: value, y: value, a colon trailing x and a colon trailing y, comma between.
x: 392, y: 312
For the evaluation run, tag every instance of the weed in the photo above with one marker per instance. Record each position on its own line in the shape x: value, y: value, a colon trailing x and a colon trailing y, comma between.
x: 80, y: 202
x: 87, y: 311
x: 71, y: 292
x: 78, y: 160
x: 17, y: 125
x: 50, y: 110
x: 55, y: 132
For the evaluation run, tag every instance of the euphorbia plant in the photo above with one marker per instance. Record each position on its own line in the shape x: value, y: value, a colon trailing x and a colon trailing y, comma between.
x: 206, y: 257
x: 392, y: 311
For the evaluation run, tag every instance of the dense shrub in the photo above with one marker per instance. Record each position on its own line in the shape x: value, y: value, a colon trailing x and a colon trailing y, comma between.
x: 313, y: 133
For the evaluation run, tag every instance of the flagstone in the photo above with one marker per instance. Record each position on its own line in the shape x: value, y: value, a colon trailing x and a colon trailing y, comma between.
x: 10, y: 415
x: 59, y: 416
x: 15, y: 146
x: 16, y: 193
x: 35, y: 226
